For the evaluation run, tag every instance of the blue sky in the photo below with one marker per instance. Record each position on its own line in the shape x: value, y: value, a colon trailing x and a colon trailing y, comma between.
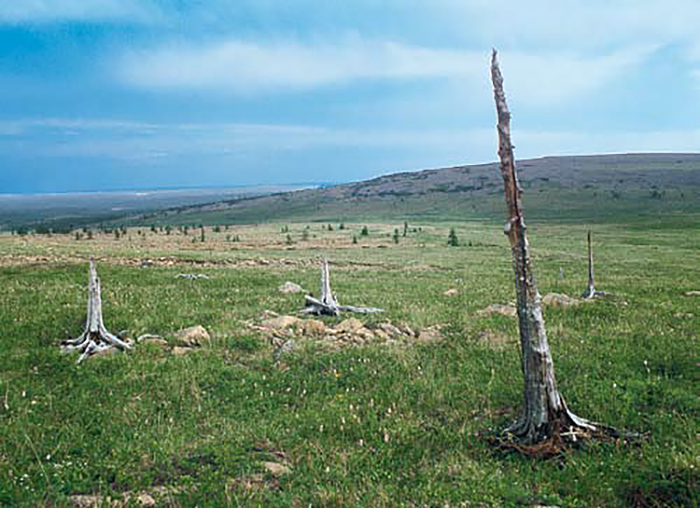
x: 129, y: 94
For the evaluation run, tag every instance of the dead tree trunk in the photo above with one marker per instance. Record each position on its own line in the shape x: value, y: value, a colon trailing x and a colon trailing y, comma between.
x: 545, y: 417
x: 327, y: 305
x: 590, y: 291
x: 95, y: 338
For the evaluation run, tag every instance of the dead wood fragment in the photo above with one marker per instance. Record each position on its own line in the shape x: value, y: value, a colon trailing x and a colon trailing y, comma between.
x: 327, y: 305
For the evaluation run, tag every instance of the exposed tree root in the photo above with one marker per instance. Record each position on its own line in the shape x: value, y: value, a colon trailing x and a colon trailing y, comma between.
x: 562, y: 433
x: 95, y: 338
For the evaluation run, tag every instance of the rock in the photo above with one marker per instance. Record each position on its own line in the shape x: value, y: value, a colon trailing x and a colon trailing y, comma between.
x: 497, y: 308
x: 692, y: 293
x: 290, y: 287
x: 381, y: 334
x: 86, y: 501
x: 451, y: 292
x: 365, y: 333
x: 285, y: 349
x: 182, y: 351
x: 276, y: 468
x: 281, y: 323
x: 559, y: 300
x: 152, y: 339
x: 390, y: 329
x: 429, y: 335
x: 349, y: 325
x: 146, y: 500
x: 192, y: 336
x: 313, y: 327
x: 407, y: 330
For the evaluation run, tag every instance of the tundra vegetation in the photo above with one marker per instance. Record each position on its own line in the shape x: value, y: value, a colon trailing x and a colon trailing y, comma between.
x: 232, y: 397
x: 374, y: 423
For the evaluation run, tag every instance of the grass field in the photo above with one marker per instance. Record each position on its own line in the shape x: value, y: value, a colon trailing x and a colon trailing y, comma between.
x: 382, y: 424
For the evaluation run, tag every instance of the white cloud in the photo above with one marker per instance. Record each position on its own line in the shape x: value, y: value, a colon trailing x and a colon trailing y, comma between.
x: 47, y: 11
x: 576, y: 23
x: 234, y: 66
x: 238, y: 66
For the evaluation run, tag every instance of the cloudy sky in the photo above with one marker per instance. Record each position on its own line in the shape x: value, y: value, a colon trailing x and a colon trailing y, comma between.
x: 133, y: 94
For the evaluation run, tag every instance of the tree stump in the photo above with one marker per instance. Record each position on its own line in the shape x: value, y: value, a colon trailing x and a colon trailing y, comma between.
x: 327, y: 305
x: 95, y: 338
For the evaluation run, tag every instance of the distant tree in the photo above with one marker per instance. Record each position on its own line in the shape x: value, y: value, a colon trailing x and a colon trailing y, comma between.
x: 330, y: 227
x: 217, y: 229
x: 153, y: 229
x: 364, y: 231
x: 342, y: 226
x: 285, y: 229
x: 396, y: 236
x: 305, y: 235
x: 289, y: 240
x: 168, y: 229
x: 78, y: 235
x: 405, y: 228
x: 202, y: 234
x: 89, y: 234
x: 117, y: 234
x: 185, y: 230
x: 354, y: 239
x: 452, y: 239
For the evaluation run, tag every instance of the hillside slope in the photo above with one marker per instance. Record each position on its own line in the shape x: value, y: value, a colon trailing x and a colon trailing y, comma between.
x: 577, y: 188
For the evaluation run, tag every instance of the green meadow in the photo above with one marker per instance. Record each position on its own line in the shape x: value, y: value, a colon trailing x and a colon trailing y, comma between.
x: 405, y: 423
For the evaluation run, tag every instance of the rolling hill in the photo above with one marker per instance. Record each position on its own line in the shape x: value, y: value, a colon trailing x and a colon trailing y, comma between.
x: 598, y: 188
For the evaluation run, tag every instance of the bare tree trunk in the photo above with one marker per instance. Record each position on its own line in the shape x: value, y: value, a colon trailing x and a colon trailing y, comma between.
x: 327, y: 304
x: 95, y: 338
x: 545, y: 416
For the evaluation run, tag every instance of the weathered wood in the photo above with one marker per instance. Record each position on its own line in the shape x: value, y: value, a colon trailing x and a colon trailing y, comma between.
x: 545, y: 415
x: 95, y: 338
x: 327, y: 305
x: 590, y: 291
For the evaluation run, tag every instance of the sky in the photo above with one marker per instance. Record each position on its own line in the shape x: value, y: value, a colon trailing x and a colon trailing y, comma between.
x: 142, y: 94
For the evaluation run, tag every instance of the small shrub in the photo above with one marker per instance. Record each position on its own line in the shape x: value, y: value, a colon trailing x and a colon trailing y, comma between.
x: 452, y: 239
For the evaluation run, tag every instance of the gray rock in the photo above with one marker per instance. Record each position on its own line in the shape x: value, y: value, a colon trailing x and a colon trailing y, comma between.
x: 192, y: 337
x: 291, y: 287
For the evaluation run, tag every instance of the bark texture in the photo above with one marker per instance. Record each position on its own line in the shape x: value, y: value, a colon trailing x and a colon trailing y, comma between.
x: 95, y: 338
x: 327, y: 304
x: 545, y: 415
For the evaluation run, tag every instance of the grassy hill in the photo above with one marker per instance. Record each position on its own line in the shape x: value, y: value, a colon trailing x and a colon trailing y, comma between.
x: 600, y: 188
